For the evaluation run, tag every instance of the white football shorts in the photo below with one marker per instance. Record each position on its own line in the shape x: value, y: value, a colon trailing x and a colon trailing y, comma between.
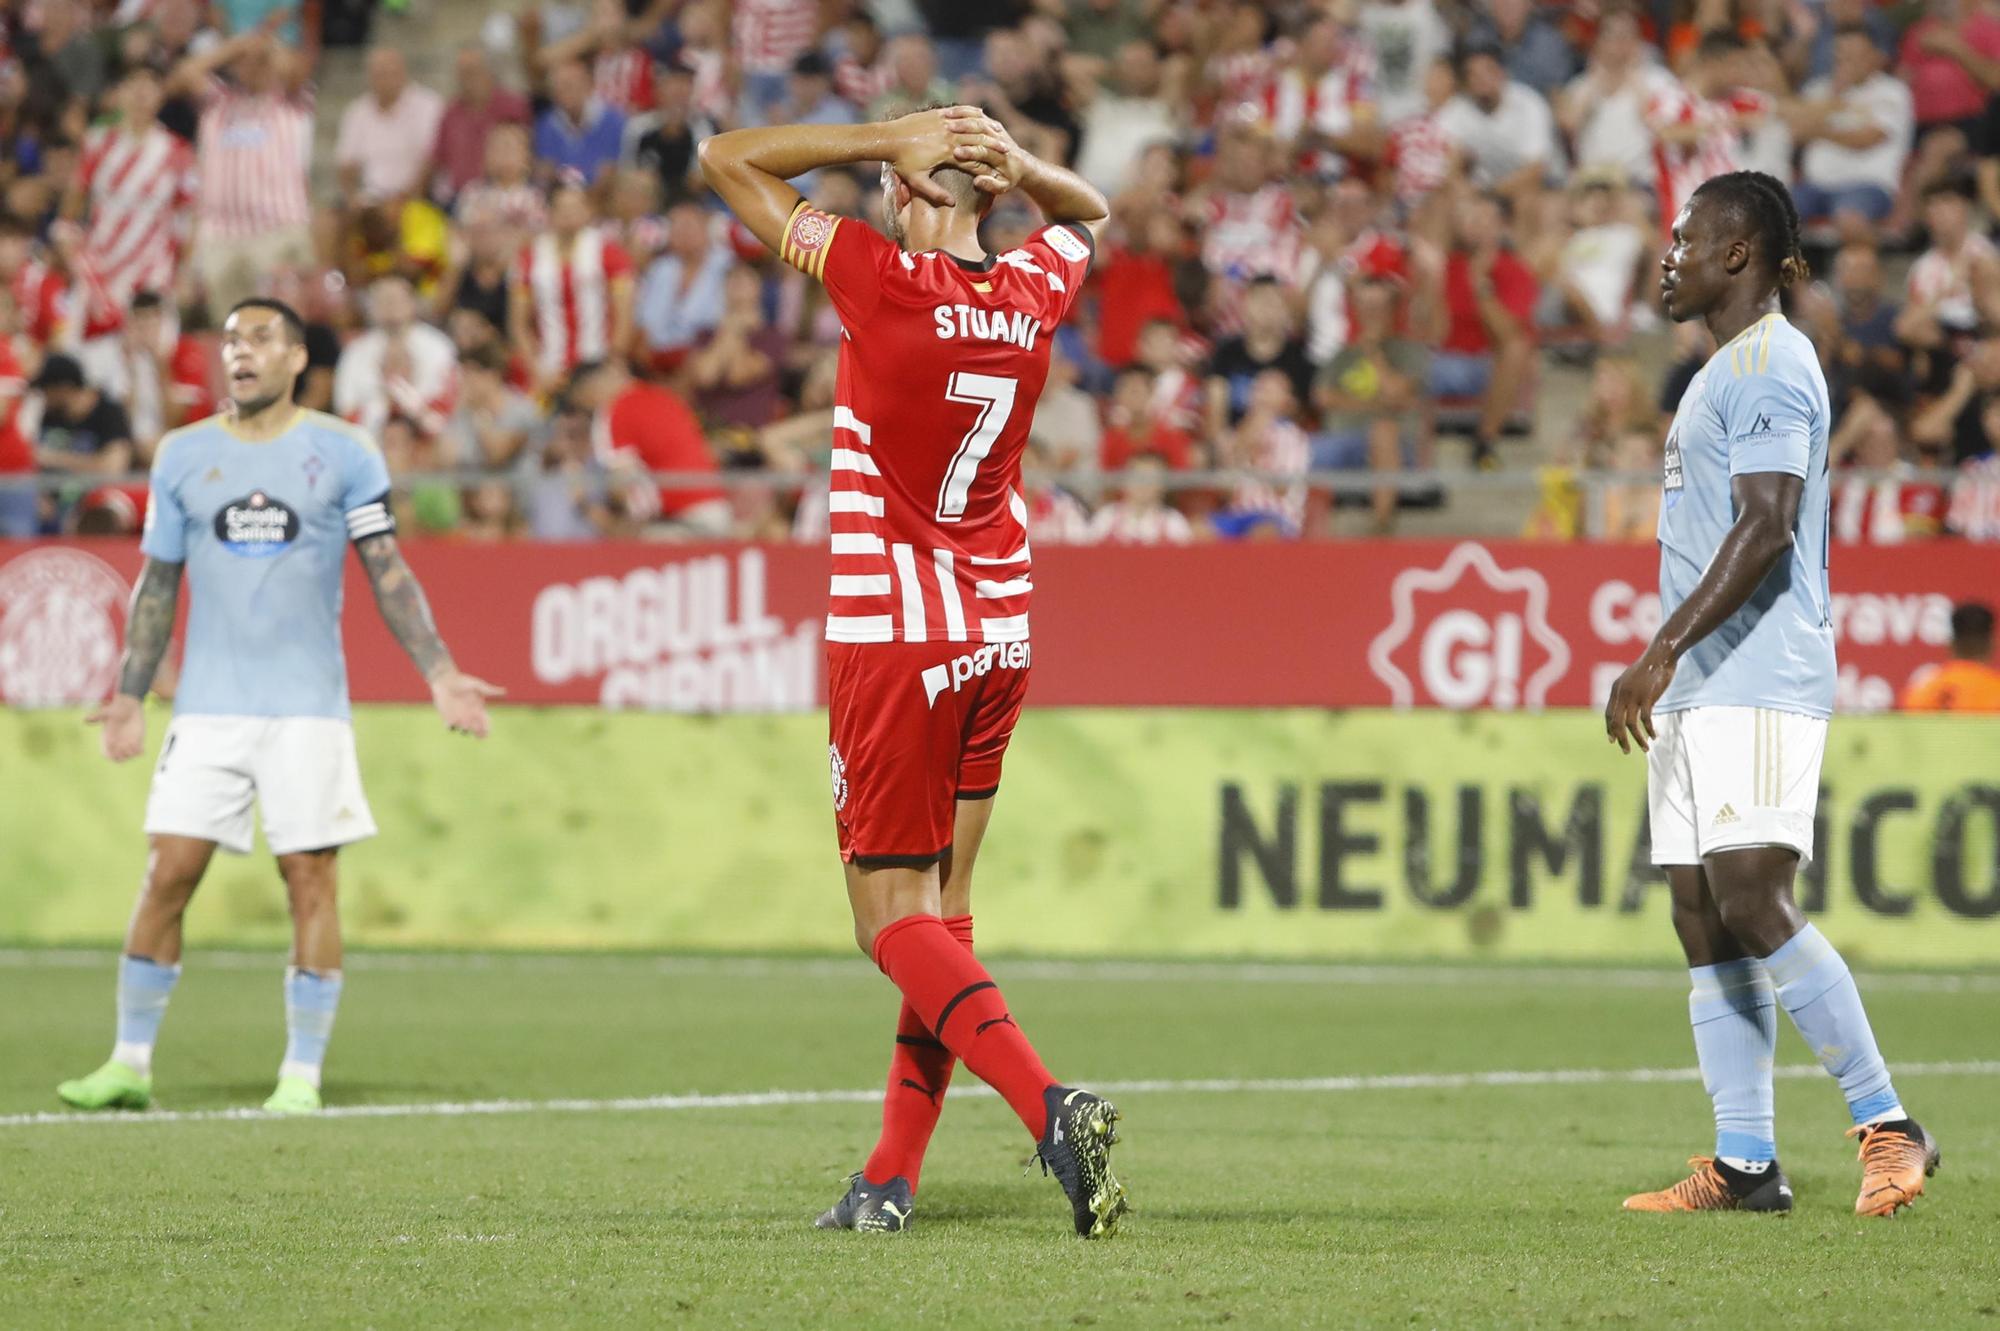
x: 1726, y: 778
x: 301, y: 771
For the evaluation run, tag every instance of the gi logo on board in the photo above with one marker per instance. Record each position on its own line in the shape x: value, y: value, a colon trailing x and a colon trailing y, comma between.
x: 257, y: 525
x: 1481, y: 633
x: 62, y: 614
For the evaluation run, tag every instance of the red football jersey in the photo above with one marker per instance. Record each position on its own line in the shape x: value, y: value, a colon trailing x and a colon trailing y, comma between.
x: 941, y: 363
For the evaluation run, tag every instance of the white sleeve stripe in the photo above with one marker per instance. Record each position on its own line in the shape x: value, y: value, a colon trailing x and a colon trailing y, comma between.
x: 844, y: 419
x: 848, y: 459
x: 853, y: 501
x: 994, y: 591
x: 861, y: 628
x: 1013, y: 628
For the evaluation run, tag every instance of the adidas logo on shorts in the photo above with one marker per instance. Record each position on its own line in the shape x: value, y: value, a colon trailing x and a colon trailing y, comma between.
x: 1726, y: 814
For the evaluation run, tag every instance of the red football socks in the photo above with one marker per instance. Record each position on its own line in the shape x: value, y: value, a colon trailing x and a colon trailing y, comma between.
x: 958, y: 1000
x: 919, y: 1072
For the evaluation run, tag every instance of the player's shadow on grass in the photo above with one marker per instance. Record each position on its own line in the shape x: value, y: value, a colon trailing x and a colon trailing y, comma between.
x: 986, y: 1203
x: 194, y: 1096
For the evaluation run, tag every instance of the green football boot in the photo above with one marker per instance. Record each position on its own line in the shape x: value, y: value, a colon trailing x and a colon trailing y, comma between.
x: 113, y: 1086
x: 295, y: 1095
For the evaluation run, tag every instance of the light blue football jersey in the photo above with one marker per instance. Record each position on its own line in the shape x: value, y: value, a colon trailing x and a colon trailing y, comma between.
x: 1760, y: 404
x: 263, y: 529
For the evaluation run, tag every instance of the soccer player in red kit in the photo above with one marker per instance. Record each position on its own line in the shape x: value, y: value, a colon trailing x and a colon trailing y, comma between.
x: 944, y: 351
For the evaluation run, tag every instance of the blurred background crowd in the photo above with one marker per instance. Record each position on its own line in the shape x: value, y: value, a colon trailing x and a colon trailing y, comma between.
x: 1407, y: 239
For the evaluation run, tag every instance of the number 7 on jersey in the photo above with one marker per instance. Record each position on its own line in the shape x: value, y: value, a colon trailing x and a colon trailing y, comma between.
x: 994, y: 396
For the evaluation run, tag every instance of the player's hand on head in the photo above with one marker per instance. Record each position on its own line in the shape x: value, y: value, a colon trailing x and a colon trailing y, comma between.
x: 924, y: 143
x: 124, y: 722
x: 982, y: 145
x: 461, y: 701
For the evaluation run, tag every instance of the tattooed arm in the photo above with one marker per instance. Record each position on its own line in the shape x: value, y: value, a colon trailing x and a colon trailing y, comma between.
x: 460, y: 699
x: 149, y: 626
x: 403, y: 606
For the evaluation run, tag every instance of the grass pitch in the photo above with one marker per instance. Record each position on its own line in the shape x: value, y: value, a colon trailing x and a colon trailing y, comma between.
x: 1390, y: 1191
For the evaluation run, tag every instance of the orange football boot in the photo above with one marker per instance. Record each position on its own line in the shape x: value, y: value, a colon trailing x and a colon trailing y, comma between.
x: 1710, y: 1189
x: 1895, y: 1159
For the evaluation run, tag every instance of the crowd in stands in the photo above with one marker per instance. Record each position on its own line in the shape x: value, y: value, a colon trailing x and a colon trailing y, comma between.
x: 1348, y: 235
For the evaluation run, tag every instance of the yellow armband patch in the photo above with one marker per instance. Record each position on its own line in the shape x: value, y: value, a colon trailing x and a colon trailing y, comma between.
x: 808, y: 236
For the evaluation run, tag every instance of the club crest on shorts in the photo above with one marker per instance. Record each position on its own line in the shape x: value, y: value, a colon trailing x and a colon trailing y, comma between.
x: 839, y: 769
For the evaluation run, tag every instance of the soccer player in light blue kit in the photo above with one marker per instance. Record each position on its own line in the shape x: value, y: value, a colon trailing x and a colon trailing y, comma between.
x: 1730, y: 702
x: 258, y: 505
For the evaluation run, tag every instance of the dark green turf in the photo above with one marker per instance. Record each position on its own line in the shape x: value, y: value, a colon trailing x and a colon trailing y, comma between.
x: 1474, y: 1207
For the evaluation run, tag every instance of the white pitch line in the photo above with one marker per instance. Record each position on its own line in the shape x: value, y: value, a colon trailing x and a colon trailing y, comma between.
x: 1106, y: 971
x: 1412, y: 1081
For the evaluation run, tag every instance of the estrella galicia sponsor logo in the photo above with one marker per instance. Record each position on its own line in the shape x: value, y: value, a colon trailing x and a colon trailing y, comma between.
x: 256, y: 525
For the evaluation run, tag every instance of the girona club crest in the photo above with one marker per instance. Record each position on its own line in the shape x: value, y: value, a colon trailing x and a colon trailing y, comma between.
x: 811, y: 231
x: 1469, y: 634
x: 62, y: 616
x: 839, y: 778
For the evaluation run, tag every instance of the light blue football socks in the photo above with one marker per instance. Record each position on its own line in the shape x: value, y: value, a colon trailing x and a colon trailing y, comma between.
x: 1816, y: 988
x: 144, y: 987
x: 1735, y: 1017
x: 311, y: 1000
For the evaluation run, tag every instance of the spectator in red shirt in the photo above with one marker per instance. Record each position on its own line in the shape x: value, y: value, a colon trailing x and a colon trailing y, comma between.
x: 1137, y: 426
x: 1487, y: 350
x: 20, y: 514
x: 470, y: 118
x: 1135, y: 285
x: 638, y: 428
x: 1949, y: 59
